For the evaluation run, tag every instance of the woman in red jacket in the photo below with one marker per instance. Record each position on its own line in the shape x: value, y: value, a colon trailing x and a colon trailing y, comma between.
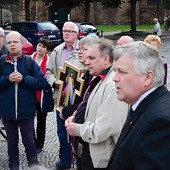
x: 41, y: 57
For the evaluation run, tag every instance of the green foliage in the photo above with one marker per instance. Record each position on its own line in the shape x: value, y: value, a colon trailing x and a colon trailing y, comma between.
x: 109, y: 28
x: 166, y: 4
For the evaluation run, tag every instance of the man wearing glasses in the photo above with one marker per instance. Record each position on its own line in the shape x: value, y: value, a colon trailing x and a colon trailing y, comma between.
x: 17, y: 92
x: 67, y: 51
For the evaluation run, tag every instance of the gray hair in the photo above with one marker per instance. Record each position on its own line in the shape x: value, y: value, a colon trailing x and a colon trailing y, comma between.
x: 146, y: 57
x: 86, y: 40
x: 2, y: 31
x: 105, y: 46
x: 73, y: 24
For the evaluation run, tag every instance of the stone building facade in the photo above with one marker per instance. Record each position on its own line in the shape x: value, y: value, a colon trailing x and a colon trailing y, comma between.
x: 38, y: 11
x: 98, y: 14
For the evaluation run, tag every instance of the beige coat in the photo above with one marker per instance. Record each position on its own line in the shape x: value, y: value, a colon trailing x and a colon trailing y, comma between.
x: 104, y: 119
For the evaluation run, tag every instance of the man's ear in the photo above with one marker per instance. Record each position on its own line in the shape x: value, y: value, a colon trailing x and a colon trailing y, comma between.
x: 149, y: 77
x: 106, y: 58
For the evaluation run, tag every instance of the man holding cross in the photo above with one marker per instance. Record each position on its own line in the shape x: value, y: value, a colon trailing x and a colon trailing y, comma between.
x: 66, y: 51
x: 104, y: 113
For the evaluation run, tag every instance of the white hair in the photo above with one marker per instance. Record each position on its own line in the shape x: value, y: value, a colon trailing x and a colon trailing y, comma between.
x: 73, y: 24
x: 145, y: 56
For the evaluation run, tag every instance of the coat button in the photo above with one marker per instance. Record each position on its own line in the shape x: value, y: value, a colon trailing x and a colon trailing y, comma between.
x: 89, y: 138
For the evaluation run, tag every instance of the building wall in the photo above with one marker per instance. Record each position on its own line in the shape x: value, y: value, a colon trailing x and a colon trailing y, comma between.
x: 37, y: 11
x: 98, y: 15
x: 144, y: 13
x: 107, y: 16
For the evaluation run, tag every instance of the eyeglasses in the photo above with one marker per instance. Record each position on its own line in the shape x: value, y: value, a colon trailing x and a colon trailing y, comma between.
x: 14, y: 42
x: 69, y: 31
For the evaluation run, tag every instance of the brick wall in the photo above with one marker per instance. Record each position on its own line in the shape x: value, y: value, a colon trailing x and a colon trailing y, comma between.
x: 98, y: 15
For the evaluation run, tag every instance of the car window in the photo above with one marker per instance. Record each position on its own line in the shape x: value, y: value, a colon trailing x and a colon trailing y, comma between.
x: 86, y: 27
x: 22, y: 27
x: 26, y: 27
x: 16, y: 27
x: 47, y: 26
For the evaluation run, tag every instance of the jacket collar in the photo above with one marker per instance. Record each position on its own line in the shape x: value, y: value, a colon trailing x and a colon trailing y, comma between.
x: 103, y: 74
x: 10, y: 59
x: 150, y: 98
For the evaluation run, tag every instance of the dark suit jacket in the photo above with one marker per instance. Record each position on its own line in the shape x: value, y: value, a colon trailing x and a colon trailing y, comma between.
x: 144, y: 143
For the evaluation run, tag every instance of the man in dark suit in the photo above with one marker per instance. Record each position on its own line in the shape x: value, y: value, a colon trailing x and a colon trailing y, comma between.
x: 144, y: 143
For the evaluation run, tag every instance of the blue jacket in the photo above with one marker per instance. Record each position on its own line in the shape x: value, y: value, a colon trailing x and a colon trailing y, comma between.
x: 17, y: 100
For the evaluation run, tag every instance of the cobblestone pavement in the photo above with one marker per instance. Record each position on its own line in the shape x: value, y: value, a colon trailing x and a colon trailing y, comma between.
x: 49, y: 155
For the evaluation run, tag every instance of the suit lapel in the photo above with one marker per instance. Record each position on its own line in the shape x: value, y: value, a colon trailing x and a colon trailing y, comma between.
x: 137, y: 113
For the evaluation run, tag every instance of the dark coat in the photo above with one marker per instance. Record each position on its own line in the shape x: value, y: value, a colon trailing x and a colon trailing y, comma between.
x: 144, y: 143
x: 32, y: 80
x: 69, y: 110
x: 3, y: 50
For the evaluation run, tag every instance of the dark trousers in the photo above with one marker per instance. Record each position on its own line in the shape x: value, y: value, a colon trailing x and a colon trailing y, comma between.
x: 86, y: 161
x: 65, y: 146
x: 41, y: 127
x: 27, y: 133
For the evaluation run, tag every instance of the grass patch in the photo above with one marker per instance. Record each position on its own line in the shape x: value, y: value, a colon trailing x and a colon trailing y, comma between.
x: 115, y: 28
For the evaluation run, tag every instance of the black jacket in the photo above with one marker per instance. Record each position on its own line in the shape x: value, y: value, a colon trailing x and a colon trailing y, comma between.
x: 144, y: 143
x: 3, y: 50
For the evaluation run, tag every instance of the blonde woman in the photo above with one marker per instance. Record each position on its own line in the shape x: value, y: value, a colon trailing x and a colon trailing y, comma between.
x: 156, y: 41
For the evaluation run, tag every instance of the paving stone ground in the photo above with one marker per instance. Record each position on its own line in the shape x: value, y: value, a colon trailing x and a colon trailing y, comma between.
x: 47, y: 157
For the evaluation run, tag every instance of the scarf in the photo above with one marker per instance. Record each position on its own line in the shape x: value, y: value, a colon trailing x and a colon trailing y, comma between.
x: 43, y: 69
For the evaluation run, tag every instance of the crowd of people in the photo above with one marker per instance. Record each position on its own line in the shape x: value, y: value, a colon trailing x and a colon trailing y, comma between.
x: 120, y: 121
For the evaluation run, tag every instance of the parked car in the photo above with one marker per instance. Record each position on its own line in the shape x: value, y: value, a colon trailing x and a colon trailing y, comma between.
x: 34, y: 30
x: 27, y: 47
x: 84, y: 28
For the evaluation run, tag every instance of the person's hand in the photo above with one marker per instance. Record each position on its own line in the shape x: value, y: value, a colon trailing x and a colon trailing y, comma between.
x: 61, y: 115
x: 69, y: 120
x: 15, y: 77
x: 71, y: 128
x: 57, y: 83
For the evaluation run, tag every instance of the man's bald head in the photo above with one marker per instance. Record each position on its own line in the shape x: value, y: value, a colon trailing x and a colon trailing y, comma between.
x: 124, y: 40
